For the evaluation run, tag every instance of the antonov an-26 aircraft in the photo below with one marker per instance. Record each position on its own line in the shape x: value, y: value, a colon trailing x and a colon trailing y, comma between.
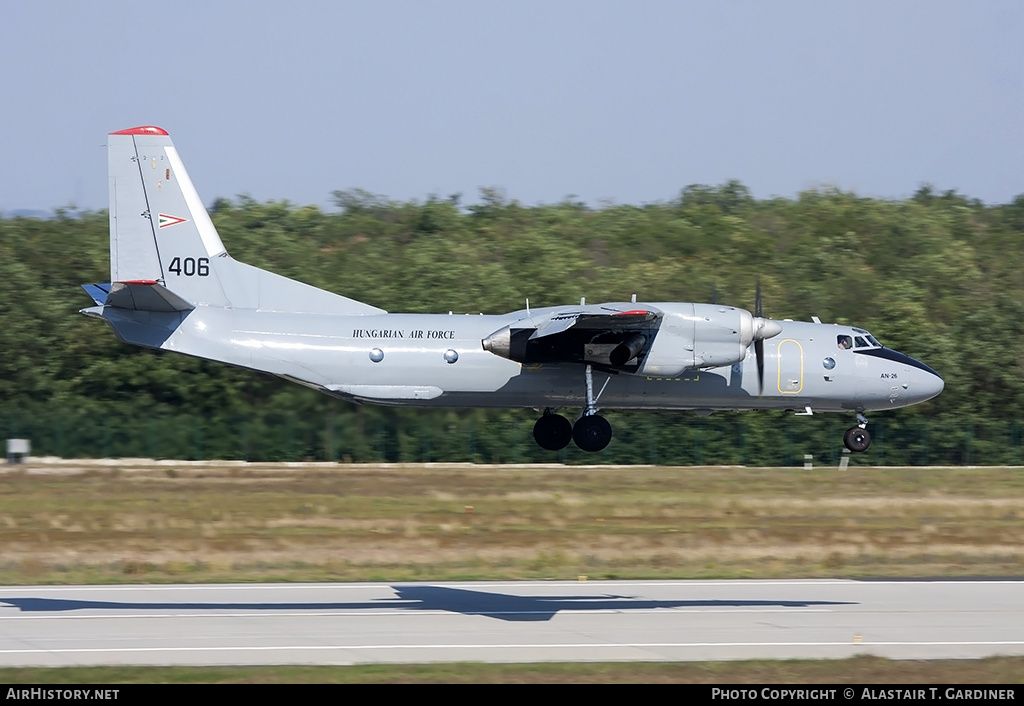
x: 174, y: 287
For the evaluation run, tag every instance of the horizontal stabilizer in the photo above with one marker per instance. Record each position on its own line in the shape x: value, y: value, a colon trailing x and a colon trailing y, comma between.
x: 98, y: 292
x: 138, y: 295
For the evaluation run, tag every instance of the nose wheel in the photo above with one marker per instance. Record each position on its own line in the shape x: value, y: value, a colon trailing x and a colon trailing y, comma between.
x: 857, y: 438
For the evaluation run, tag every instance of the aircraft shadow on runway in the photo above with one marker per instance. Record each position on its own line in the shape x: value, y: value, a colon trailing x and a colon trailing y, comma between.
x: 502, y: 606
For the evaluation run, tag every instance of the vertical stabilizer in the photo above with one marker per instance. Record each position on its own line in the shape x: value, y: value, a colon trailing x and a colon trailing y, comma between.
x: 133, y: 248
x: 160, y: 232
x: 159, y: 229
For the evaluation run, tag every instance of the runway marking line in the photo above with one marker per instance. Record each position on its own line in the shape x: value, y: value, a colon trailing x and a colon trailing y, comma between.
x: 570, y: 645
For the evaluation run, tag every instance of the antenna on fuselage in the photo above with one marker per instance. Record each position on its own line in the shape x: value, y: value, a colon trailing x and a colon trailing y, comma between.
x: 527, y: 306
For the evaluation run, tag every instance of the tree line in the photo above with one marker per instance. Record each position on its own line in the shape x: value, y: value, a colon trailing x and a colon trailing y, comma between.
x: 938, y: 276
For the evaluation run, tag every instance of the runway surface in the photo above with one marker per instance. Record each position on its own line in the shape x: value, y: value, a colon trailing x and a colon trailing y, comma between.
x: 508, y: 622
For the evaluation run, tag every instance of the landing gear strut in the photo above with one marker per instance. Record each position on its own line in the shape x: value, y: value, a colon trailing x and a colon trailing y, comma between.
x: 591, y: 432
x: 857, y: 438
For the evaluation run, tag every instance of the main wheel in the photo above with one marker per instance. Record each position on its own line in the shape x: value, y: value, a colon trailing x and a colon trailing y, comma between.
x: 857, y: 439
x: 552, y: 432
x: 592, y: 433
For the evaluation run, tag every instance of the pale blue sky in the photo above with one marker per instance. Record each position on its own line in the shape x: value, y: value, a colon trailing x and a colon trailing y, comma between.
x: 624, y: 101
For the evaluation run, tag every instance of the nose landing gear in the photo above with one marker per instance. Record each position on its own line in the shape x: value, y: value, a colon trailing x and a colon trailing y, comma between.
x: 857, y: 438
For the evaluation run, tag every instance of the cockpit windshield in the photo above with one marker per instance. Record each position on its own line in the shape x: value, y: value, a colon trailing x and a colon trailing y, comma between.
x: 864, y: 340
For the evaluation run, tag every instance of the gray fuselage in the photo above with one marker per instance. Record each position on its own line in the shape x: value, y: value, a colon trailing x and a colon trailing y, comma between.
x: 403, y: 359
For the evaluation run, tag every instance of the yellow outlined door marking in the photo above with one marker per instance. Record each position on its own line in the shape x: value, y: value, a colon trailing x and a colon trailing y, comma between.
x: 791, y: 367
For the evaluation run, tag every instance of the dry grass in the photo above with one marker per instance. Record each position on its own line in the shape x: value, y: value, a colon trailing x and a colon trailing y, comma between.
x: 140, y: 521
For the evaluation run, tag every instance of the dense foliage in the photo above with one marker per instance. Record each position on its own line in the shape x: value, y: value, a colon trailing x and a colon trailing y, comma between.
x: 938, y: 276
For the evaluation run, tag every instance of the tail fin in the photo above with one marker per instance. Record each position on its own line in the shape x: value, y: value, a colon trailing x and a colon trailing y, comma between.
x: 160, y: 232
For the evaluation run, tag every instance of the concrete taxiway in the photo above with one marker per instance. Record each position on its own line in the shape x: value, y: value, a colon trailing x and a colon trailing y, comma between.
x: 525, y: 621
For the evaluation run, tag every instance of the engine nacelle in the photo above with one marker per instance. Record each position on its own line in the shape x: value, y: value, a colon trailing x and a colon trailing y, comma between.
x: 663, y: 339
x: 702, y: 336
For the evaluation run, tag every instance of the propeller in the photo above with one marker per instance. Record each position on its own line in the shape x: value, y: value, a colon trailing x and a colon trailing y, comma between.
x: 759, y: 341
x: 763, y: 328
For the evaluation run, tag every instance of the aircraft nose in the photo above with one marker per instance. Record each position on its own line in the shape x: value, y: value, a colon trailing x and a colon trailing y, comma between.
x: 931, y: 386
x: 919, y: 382
x: 926, y: 384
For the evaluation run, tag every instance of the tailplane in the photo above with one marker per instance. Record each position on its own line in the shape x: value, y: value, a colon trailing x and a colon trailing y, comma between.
x: 165, y: 251
x: 138, y: 295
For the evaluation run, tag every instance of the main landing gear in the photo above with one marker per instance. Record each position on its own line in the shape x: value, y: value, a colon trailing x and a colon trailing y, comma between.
x: 591, y: 432
x: 552, y: 431
x: 857, y: 438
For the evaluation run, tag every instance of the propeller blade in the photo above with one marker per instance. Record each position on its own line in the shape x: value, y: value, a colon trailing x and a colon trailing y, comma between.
x: 759, y: 338
x: 759, y: 352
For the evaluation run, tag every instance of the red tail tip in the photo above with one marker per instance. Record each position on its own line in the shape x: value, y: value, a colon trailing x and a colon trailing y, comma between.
x: 143, y: 130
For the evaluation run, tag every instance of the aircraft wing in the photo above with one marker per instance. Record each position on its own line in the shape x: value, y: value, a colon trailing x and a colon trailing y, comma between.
x: 595, y: 319
x: 606, y: 337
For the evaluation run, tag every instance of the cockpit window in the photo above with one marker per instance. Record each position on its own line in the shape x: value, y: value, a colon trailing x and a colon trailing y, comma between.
x: 860, y: 342
x: 868, y: 340
x: 844, y: 342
